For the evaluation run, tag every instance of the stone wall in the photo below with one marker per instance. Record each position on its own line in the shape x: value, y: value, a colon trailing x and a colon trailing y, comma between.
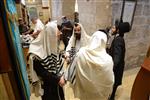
x: 68, y: 8
x: 43, y: 13
x: 56, y: 9
x: 63, y: 8
x: 94, y: 14
x: 138, y: 39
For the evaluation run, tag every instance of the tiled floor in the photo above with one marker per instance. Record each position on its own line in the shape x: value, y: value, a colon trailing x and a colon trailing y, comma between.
x: 123, y: 92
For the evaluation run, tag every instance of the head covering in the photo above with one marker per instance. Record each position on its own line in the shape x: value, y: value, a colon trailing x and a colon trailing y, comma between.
x: 83, y: 40
x: 46, y: 43
x: 98, y: 41
x: 95, y: 68
x: 36, y: 46
x: 123, y: 28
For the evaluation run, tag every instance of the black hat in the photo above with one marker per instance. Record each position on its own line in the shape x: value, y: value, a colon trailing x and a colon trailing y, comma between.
x: 124, y: 27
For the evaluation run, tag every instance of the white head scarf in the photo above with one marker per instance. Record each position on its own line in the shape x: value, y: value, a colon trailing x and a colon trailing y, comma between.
x: 95, y: 68
x: 98, y: 42
x: 83, y: 40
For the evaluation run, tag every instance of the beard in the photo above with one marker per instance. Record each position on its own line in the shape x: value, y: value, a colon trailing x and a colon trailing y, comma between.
x: 78, y: 36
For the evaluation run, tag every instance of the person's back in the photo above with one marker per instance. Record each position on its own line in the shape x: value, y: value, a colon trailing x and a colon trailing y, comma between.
x: 94, y: 70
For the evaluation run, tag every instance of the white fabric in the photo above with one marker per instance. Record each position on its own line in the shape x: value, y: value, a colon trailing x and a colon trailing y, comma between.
x: 36, y: 88
x: 38, y: 26
x: 83, y: 41
x: 76, y: 6
x: 42, y: 46
x: 46, y: 42
x: 94, y: 70
x: 50, y: 40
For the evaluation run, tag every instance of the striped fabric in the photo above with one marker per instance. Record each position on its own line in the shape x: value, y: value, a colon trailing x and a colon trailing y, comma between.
x: 71, y: 71
x: 52, y: 63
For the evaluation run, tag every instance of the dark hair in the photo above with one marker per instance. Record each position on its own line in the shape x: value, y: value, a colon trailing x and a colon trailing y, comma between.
x: 76, y: 24
x: 59, y: 27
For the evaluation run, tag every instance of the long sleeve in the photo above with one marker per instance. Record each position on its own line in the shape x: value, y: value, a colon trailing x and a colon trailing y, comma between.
x: 118, y: 51
x: 44, y: 73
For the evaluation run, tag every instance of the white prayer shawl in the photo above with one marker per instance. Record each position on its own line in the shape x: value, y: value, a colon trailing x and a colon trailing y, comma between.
x: 94, y: 70
x: 43, y: 46
x: 38, y: 26
x: 46, y: 42
x: 82, y: 42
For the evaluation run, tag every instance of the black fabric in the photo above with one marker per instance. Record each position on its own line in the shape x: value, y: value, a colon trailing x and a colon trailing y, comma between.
x: 23, y: 28
x: 52, y: 91
x: 123, y: 28
x: 66, y: 33
x: 112, y: 97
x: 52, y: 63
x: 117, y: 51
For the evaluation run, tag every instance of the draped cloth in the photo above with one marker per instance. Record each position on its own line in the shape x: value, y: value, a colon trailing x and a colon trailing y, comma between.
x: 94, y: 70
x: 45, y: 49
x: 82, y: 42
x: 71, y: 50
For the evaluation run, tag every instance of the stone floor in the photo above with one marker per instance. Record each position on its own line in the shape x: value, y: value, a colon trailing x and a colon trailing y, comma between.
x: 123, y: 92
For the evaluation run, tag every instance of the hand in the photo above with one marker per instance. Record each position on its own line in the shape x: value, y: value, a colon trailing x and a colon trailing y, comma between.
x: 34, y: 35
x: 62, y: 81
x: 68, y: 60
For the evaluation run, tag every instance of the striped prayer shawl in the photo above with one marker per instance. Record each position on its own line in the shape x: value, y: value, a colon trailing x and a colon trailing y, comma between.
x: 71, y: 70
x: 53, y: 63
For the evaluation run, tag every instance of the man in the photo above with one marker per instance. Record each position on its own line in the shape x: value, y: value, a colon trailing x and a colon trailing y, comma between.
x: 117, y: 51
x: 46, y: 62
x: 78, y: 39
x: 66, y: 30
x: 38, y: 27
x: 23, y: 29
x: 94, y: 70
x: 24, y: 33
x: 111, y: 34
